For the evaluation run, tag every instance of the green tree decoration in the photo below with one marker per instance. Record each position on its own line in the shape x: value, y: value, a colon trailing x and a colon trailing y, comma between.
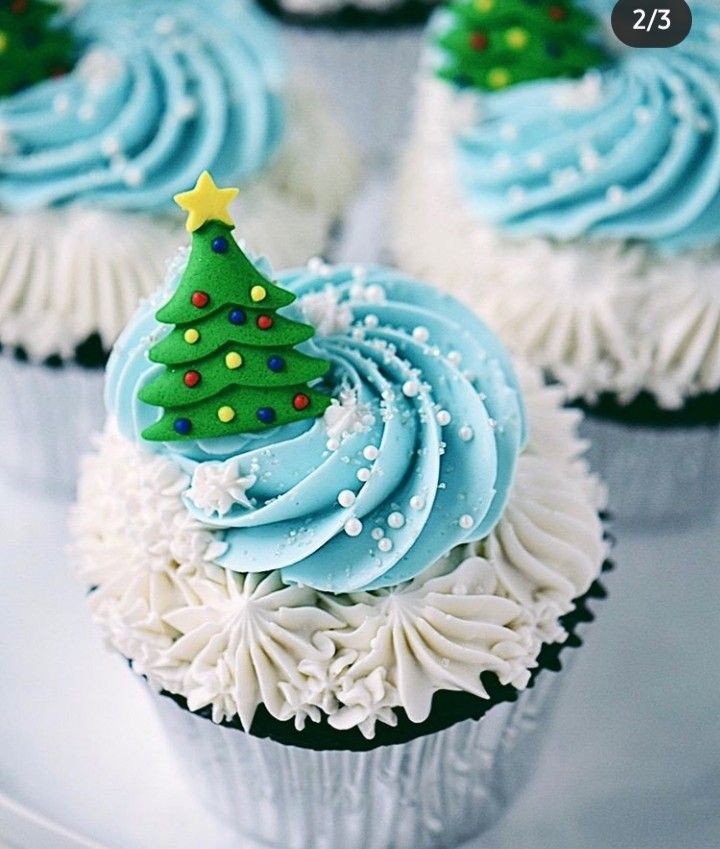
x: 493, y: 44
x: 33, y: 46
x: 231, y: 365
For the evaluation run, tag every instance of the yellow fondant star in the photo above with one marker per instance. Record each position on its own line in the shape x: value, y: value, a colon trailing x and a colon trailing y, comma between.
x: 206, y: 202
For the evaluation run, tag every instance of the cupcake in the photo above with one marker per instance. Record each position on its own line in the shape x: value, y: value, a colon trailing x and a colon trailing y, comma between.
x: 581, y: 218
x: 344, y: 541
x: 363, y: 55
x: 122, y: 104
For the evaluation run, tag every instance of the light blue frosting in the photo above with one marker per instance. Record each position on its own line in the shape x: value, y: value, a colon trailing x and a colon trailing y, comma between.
x: 449, y: 483
x: 641, y: 162
x: 162, y: 91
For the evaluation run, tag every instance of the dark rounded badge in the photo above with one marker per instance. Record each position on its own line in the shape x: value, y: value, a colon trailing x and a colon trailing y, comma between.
x: 651, y: 23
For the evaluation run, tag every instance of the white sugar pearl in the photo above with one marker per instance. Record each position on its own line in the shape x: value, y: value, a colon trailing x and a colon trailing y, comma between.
x: 186, y: 108
x: 353, y: 527
x: 385, y: 544
x: 466, y: 521
x: 332, y: 444
x: 454, y: 358
x: 164, y: 25
x: 346, y: 498
x: 110, y: 146
x: 466, y: 433
x: 86, y: 112
x: 363, y: 475
x: 370, y: 452
x: 411, y: 388
x: 371, y: 321
x: 133, y: 176
x: 443, y: 418
x: 377, y: 533
x: 396, y: 520
x: 61, y: 103
x: 417, y: 502
x: 359, y: 272
x: 375, y: 294
x: 420, y: 334
x: 615, y: 194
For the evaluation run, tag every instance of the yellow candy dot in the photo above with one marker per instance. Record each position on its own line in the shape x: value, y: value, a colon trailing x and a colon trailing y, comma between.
x: 484, y: 5
x: 191, y: 336
x: 233, y: 360
x: 258, y: 293
x: 226, y: 414
x: 498, y: 78
x: 3, y: 41
x: 517, y: 38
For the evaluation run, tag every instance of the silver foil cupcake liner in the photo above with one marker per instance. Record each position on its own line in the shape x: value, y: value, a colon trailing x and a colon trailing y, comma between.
x: 438, y: 790
x: 368, y: 77
x: 656, y: 477
x: 47, y: 416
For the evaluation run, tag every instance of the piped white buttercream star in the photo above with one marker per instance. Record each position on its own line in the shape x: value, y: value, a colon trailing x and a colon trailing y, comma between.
x: 217, y: 487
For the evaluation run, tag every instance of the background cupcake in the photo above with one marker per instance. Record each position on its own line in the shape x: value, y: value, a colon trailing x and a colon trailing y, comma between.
x: 581, y: 218
x: 323, y: 513
x: 153, y: 92
x: 364, y: 56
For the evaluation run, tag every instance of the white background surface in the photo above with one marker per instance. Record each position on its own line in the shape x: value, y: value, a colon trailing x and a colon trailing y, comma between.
x: 632, y: 760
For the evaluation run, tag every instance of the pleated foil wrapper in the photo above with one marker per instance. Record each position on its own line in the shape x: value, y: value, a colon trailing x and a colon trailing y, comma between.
x: 368, y: 77
x: 656, y: 477
x: 47, y: 416
x: 439, y: 790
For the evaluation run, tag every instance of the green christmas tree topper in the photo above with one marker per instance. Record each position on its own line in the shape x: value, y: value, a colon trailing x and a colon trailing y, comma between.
x: 33, y: 47
x: 493, y: 44
x: 231, y: 365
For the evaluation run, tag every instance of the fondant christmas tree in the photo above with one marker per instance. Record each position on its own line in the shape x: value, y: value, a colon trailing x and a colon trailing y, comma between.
x: 492, y: 44
x: 33, y: 46
x: 230, y: 362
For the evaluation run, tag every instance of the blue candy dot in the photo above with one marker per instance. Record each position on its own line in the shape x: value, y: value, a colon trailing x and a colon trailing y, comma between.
x: 182, y: 426
x: 220, y: 245
x: 266, y: 415
x: 276, y: 363
x: 237, y: 316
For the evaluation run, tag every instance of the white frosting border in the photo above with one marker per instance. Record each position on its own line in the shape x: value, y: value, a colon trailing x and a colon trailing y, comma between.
x: 66, y: 273
x: 603, y: 317
x: 231, y: 642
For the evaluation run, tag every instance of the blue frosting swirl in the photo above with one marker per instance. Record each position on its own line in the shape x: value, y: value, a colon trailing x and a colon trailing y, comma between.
x: 632, y: 152
x: 443, y: 424
x: 162, y: 91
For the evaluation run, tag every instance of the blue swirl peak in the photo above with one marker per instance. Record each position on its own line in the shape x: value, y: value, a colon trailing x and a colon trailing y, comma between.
x: 415, y: 456
x: 632, y: 152
x: 161, y: 92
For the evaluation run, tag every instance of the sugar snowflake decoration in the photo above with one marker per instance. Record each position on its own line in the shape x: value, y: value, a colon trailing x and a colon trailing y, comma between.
x: 218, y: 487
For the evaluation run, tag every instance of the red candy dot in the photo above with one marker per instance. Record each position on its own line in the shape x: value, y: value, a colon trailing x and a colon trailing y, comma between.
x: 18, y: 7
x: 200, y: 299
x: 478, y: 41
x: 191, y: 378
x: 557, y: 13
x: 301, y: 401
x: 264, y: 322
